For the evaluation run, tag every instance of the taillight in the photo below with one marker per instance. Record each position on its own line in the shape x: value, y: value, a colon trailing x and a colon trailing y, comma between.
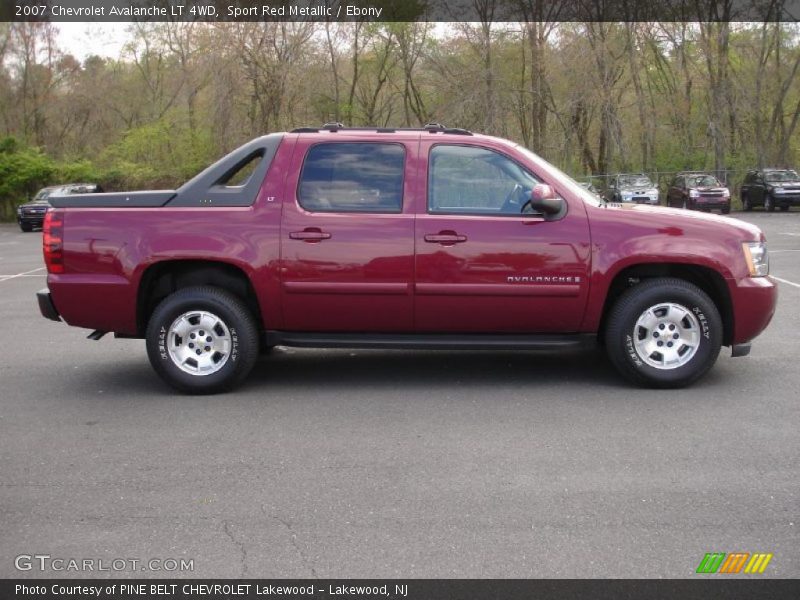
x: 53, y: 242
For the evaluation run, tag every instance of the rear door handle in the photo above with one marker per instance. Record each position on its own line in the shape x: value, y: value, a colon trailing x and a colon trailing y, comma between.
x: 310, y: 235
x: 446, y: 238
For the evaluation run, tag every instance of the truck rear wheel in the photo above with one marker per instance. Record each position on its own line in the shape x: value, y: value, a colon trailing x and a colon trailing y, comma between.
x: 664, y: 333
x: 202, y: 340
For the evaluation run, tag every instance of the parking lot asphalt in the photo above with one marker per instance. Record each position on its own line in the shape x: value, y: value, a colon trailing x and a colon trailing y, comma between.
x: 335, y: 463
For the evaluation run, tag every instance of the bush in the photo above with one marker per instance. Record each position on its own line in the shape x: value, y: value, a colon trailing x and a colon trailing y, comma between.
x: 23, y: 170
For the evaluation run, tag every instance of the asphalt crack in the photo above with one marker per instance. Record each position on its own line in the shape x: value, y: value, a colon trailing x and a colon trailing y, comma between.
x: 293, y: 539
x: 240, y: 545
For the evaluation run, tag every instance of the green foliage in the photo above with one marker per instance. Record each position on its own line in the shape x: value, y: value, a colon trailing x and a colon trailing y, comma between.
x: 23, y: 170
x: 162, y: 153
x: 78, y: 171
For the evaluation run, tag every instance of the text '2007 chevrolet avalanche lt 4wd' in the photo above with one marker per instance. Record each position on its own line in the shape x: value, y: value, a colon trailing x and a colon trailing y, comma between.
x: 400, y: 238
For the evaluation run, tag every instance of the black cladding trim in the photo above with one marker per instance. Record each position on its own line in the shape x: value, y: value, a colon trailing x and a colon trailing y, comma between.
x: 209, y: 189
x: 423, y: 341
x: 151, y: 199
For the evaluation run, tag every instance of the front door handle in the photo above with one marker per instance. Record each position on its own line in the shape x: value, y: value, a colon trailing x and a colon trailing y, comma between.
x: 312, y: 235
x: 446, y: 238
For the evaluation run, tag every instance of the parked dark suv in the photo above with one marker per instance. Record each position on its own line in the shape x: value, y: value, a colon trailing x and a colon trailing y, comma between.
x: 771, y: 188
x: 31, y: 214
x: 633, y: 187
x: 699, y: 191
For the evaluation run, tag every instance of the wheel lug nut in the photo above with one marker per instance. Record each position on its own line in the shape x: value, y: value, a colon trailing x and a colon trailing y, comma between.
x: 201, y: 332
x: 675, y: 336
x: 208, y: 339
x: 208, y: 348
x: 660, y: 343
x: 655, y: 334
x: 672, y: 327
x: 661, y: 326
x: 669, y: 344
x: 192, y: 336
x: 191, y: 345
x: 199, y: 352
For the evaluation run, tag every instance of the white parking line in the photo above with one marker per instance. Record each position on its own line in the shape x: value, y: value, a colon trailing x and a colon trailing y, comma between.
x: 26, y: 273
x: 782, y: 251
x: 787, y: 282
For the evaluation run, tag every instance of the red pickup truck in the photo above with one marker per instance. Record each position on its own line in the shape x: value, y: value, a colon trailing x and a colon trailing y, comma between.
x: 400, y: 238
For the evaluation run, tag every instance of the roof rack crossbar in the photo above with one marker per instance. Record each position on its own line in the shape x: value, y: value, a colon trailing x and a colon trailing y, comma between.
x: 430, y: 128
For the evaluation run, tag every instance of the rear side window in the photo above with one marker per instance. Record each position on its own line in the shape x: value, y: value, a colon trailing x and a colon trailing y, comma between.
x: 353, y: 177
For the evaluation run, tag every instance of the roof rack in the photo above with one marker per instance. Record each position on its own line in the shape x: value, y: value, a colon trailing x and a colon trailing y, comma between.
x: 429, y: 127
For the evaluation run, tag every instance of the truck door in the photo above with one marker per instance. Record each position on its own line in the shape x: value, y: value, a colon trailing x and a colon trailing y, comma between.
x: 484, y: 262
x: 347, y: 238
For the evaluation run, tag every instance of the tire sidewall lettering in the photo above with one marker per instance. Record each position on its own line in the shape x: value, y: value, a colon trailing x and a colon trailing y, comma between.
x: 704, y: 325
x: 162, y: 343
x: 234, y: 344
x: 630, y: 350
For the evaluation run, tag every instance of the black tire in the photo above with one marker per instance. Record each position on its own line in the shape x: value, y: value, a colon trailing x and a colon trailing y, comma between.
x: 746, y: 206
x: 26, y: 227
x: 769, y: 203
x: 622, y: 320
x: 784, y: 207
x: 242, y: 332
x: 726, y: 210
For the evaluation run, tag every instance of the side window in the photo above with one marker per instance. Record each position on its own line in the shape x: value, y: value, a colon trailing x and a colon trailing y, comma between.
x: 471, y: 180
x: 353, y: 177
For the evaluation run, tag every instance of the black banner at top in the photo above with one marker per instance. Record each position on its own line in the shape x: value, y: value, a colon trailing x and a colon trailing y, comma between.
x: 401, y: 10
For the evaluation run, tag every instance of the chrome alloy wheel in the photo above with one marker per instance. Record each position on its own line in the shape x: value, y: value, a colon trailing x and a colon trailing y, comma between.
x: 199, y: 342
x: 667, y: 336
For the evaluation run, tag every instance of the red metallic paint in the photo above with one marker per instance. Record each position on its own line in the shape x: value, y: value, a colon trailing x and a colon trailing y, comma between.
x: 377, y: 272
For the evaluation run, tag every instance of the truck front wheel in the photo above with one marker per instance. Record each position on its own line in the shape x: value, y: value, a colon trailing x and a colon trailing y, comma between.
x: 202, y: 340
x: 664, y: 333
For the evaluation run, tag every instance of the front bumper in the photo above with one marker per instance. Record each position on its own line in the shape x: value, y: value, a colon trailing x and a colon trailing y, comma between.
x: 640, y: 199
x: 754, y: 300
x: 706, y: 204
x: 46, y: 306
x: 787, y: 199
x: 34, y: 220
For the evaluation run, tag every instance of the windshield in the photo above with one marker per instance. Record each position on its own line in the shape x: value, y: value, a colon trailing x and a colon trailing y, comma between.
x: 787, y: 175
x: 575, y: 187
x: 635, y: 181
x: 42, y: 195
x: 702, y: 181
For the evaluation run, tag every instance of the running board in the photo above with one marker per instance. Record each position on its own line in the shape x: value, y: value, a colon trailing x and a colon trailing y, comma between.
x: 431, y: 341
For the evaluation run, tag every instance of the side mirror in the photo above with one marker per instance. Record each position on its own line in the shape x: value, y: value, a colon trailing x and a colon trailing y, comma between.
x: 545, y: 200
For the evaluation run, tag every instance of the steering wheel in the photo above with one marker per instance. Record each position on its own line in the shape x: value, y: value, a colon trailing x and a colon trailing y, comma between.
x: 516, y: 198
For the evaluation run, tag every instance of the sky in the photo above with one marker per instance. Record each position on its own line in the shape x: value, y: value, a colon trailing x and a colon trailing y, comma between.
x: 84, y: 39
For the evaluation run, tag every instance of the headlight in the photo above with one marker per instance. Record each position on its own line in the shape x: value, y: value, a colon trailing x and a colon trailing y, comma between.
x: 726, y: 193
x: 755, y: 253
x: 694, y: 194
x: 653, y: 192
